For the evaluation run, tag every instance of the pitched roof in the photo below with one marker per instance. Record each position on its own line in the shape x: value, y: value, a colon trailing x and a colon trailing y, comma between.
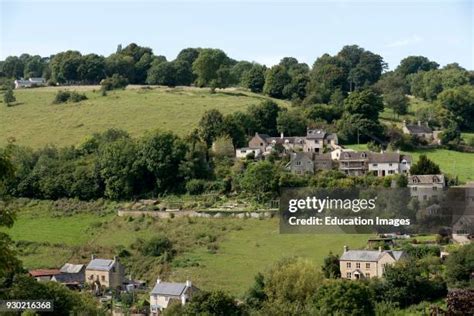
x: 385, y: 157
x: 71, y: 268
x: 354, y: 155
x: 284, y: 140
x: 169, y: 288
x: 301, y: 156
x: 43, y: 272
x: 262, y: 136
x: 418, y: 129
x: 100, y: 264
x: 316, y: 134
x: 369, y: 255
x: 69, y: 278
x: 426, y: 179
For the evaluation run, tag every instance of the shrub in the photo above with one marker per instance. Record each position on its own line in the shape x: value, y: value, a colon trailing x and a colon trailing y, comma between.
x: 156, y: 246
x: 114, y: 82
x: 195, y: 186
x: 68, y: 96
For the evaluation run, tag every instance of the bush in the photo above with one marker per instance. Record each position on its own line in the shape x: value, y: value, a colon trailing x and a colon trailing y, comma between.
x: 155, y: 247
x: 114, y: 82
x: 68, y: 96
x: 195, y: 186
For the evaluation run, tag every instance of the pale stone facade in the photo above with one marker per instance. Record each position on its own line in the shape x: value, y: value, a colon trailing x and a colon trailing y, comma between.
x: 366, y: 264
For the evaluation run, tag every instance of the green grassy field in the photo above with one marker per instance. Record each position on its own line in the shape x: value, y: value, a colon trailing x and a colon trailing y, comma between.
x: 245, y: 247
x: 35, y: 121
x: 451, y: 162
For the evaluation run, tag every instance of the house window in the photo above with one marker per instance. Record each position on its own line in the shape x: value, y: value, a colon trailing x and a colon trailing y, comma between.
x: 435, y: 188
x: 367, y: 275
x: 348, y: 265
x: 389, y: 164
x: 261, y: 144
x: 374, y: 165
x: 414, y: 188
x: 103, y: 278
x: 358, y: 265
x: 348, y: 275
x: 367, y: 265
x: 390, y: 172
x: 298, y: 163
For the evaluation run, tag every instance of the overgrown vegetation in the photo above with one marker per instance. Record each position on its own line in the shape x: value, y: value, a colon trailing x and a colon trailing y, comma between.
x: 68, y: 96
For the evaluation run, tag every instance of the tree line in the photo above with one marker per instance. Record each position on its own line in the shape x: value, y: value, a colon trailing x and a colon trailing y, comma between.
x: 329, y: 81
x: 115, y: 166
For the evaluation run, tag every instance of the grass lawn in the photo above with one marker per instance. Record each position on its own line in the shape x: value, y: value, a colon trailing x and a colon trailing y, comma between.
x: 244, y: 253
x: 451, y: 162
x: 34, y: 121
x: 244, y: 247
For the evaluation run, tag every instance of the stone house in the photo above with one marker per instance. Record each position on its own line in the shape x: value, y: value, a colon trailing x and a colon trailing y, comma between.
x: 71, y: 275
x: 355, y: 163
x: 165, y: 293
x: 422, y: 131
x: 426, y: 187
x: 105, y: 273
x: 315, y: 141
x: 301, y: 163
x: 366, y: 264
x: 382, y: 164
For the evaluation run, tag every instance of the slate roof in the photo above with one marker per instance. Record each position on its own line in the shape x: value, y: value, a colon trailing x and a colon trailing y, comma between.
x: 71, y: 268
x: 354, y: 155
x: 426, y: 179
x: 301, y: 156
x: 291, y: 140
x: 100, y: 264
x: 69, y: 278
x: 384, y: 157
x: 369, y: 255
x: 263, y: 136
x: 169, y: 289
x: 316, y: 134
x: 418, y: 129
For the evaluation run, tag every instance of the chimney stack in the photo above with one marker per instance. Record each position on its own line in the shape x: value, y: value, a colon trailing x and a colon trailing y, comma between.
x: 158, y: 281
x: 92, y: 256
x: 380, y: 249
x: 404, y: 122
x: 188, y: 283
x: 282, y: 135
x: 346, y: 248
x: 426, y: 123
x: 419, y: 123
x: 115, y: 258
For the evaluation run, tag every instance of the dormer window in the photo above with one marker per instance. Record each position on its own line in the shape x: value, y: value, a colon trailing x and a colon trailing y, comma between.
x: 363, y: 155
x: 435, y: 179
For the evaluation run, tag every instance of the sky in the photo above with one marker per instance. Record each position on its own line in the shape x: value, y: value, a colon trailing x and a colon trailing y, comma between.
x: 261, y: 31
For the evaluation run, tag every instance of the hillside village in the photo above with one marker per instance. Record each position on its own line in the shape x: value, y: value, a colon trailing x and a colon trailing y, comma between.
x: 133, y: 183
